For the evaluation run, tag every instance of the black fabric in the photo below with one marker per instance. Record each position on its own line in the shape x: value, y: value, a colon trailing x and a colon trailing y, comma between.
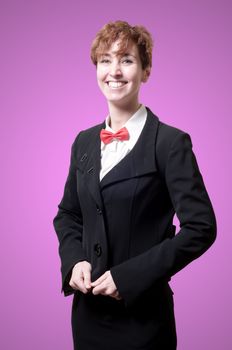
x: 125, y: 224
x: 100, y: 322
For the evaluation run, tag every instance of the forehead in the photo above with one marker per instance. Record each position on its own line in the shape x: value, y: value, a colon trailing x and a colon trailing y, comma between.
x: 119, y: 48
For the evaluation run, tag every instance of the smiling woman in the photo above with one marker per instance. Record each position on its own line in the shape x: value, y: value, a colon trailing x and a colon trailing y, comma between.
x: 119, y: 76
x: 123, y: 57
x: 128, y: 176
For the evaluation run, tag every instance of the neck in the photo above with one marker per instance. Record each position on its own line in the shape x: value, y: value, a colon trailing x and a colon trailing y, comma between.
x: 119, y: 115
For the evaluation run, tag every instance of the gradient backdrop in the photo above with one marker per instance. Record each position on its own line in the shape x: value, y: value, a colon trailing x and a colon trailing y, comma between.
x: 49, y: 93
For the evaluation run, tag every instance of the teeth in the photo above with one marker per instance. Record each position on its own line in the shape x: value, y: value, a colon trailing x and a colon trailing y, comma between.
x: 116, y: 84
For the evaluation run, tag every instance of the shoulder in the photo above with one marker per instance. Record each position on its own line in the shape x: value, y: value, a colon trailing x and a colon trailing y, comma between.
x: 169, y: 139
x: 167, y: 134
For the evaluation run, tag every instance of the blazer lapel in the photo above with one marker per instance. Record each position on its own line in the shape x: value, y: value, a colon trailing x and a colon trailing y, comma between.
x: 89, y: 163
x: 141, y: 160
x: 137, y: 163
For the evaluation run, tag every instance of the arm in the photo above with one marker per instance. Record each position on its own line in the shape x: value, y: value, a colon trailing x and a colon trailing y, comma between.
x: 68, y: 226
x: 197, y: 227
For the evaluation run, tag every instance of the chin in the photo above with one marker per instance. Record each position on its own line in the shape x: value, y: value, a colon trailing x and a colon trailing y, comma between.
x: 116, y: 100
x: 116, y: 97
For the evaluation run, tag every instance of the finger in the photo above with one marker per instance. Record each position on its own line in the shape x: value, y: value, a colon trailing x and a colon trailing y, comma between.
x: 113, y: 293
x: 99, y: 280
x: 96, y: 290
x: 100, y: 289
x: 87, y: 279
x: 81, y: 284
x: 104, y: 285
x: 78, y: 283
x: 105, y: 288
x: 72, y: 284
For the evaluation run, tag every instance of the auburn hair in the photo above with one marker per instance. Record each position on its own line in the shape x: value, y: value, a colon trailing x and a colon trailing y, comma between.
x: 123, y: 31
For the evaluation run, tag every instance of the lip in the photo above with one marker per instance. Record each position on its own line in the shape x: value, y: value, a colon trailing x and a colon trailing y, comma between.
x: 116, y: 81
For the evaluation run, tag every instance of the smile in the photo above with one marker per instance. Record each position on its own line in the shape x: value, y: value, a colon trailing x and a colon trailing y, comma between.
x: 116, y: 84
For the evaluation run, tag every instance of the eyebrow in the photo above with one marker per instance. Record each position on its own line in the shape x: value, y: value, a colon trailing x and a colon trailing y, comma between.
x: 114, y: 52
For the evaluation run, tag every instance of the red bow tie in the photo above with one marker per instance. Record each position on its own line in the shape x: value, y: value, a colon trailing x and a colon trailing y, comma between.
x: 107, y: 136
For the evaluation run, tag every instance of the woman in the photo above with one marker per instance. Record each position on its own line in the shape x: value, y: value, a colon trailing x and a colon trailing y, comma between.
x: 128, y: 176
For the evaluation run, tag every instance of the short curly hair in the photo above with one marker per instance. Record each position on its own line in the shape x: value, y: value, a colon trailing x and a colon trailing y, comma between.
x: 123, y: 31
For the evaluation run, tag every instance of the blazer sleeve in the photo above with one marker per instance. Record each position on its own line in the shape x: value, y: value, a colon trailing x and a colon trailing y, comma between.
x: 68, y: 225
x: 197, y: 226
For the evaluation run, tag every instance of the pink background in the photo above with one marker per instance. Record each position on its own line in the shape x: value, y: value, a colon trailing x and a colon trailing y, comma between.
x: 49, y: 93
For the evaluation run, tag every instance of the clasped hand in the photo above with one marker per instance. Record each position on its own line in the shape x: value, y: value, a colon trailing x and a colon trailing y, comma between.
x: 81, y: 280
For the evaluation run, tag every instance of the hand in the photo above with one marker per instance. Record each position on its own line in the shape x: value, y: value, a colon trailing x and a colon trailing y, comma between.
x: 105, y: 285
x: 81, y: 277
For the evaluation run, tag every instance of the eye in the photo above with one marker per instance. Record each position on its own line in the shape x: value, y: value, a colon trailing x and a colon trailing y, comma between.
x: 127, y: 61
x: 104, y: 60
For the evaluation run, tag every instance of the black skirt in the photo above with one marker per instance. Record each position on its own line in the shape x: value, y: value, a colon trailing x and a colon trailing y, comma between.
x: 103, y: 323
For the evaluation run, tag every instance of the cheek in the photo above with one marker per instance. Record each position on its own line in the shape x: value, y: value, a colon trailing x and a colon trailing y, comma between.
x: 136, y: 81
x: 101, y: 86
x: 100, y: 83
x: 98, y: 77
x: 101, y: 73
x: 134, y: 76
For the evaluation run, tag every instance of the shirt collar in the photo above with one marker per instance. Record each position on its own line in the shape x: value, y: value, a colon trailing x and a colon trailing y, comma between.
x: 133, y: 125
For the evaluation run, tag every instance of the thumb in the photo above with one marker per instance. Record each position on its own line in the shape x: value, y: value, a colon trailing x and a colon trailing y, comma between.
x: 87, y: 279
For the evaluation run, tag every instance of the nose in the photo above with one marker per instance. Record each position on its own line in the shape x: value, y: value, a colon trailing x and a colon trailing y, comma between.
x: 115, y: 69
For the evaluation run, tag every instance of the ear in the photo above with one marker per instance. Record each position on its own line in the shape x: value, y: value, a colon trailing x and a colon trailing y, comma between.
x: 146, y: 74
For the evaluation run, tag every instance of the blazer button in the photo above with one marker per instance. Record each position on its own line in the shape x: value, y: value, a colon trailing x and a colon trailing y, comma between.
x: 99, y: 211
x: 97, y: 249
x: 83, y: 157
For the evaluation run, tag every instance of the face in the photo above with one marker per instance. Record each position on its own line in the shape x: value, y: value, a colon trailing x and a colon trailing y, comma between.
x: 120, y: 77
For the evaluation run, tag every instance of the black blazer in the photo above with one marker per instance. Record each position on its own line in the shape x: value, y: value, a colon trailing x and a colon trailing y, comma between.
x: 161, y: 176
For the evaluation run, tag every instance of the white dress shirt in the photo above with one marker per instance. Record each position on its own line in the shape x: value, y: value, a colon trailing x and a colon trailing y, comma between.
x: 116, y: 150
